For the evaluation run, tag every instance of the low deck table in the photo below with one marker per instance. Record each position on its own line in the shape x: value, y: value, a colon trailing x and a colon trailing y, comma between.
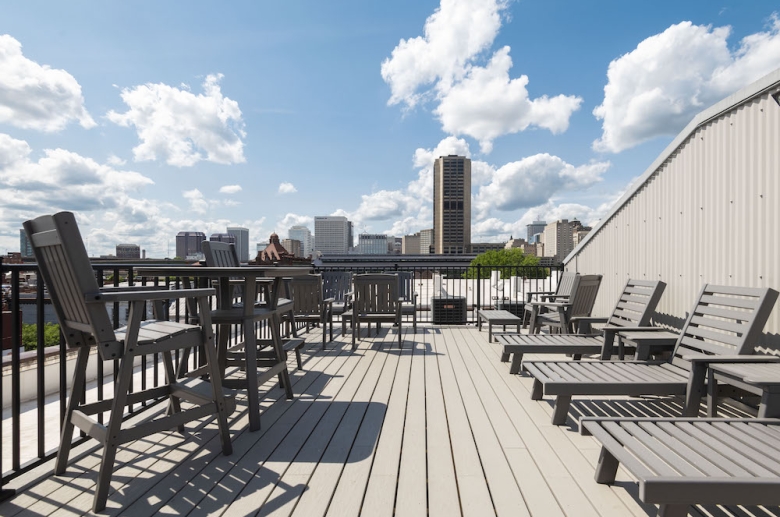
x: 497, y: 318
x: 758, y: 378
x: 647, y: 342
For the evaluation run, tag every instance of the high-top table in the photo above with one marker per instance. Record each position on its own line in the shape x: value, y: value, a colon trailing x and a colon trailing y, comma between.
x: 246, y: 314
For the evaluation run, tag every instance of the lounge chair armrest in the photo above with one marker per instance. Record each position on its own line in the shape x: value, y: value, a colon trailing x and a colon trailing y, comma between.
x: 735, y: 358
x: 328, y: 300
x: 129, y: 296
x: 553, y: 305
x: 589, y: 319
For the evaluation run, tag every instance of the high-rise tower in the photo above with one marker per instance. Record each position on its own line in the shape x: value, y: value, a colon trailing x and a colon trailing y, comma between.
x: 452, y: 204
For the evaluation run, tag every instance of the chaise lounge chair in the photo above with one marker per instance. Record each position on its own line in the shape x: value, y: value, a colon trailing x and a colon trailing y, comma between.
x: 683, y: 461
x: 634, y: 309
x: 723, y: 326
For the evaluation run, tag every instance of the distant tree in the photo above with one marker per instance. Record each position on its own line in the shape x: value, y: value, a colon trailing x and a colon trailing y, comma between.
x: 51, y: 335
x: 512, y: 262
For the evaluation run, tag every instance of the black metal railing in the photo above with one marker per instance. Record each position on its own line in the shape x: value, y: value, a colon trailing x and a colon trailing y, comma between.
x: 26, y: 302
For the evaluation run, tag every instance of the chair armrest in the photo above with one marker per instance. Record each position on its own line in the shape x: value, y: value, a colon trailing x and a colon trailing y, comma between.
x: 735, y: 358
x: 112, y: 289
x: 551, y: 304
x: 129, y: 296
x: 589, y: 319
x: 328, y: 300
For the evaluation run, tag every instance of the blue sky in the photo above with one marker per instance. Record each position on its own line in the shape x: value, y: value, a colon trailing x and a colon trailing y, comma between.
x: 150, y: 118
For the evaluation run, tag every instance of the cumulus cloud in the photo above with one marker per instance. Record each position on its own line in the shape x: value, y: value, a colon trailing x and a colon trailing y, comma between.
x: 197, y: 201
x: 230, y: 189
x: 38, y: 97
x: 487, y: 104
x: 115, y: 160
x: 287, y: 188
x: 444, y: 66
x: 532, y: 181
x: 657, y: 88
x: 457, y: 32
x: 183, y: 128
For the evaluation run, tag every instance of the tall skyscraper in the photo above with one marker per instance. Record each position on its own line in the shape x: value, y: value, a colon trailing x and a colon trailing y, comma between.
x: 188, y: 244
x: 242, y: 241
x: 332, y: 235
x: 452, y: 204
x: 558, y: 239
x: 25, y: 246
x: 303, y: 234
x: 534, y: 228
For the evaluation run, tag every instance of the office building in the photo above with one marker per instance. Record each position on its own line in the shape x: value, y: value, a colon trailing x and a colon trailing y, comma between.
x: 242, y: 241
x: 332, y: 235
x: 533, y: 229
x: 482, y: 247
x: 188, y: 245
x: 25, y: 247
x: 372, y: 244
x: 128, y: 251
x: 452, y: 205
x: 293, y: 246
x: 426, y: 241
x: 410, y: 244
x: 559, y: 239
x: 223, y: 237
x: 302, y: 234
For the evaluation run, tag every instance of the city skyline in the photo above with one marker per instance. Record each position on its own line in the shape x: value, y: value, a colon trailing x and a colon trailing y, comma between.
x: 150, y: 121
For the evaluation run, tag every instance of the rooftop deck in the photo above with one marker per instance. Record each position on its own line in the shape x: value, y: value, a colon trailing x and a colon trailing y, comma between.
x: 439, y: 427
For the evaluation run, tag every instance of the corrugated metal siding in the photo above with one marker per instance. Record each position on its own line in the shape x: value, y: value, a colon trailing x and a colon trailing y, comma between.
x: 709, y: 213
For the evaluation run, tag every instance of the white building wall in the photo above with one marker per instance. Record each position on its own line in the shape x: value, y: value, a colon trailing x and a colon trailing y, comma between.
x: 707, y: 211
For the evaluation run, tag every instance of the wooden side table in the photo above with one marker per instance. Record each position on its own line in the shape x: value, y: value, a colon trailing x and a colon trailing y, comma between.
x: 758, y: 378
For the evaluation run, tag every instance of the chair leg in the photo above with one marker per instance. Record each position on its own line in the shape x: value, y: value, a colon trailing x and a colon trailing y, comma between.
x: 561, y: 409
x: 113, y: 430
x: 174, y: 404
x: 673, y: 510
x: 517, y: 361
x: 76, y: 393
x: 537, y: 390
x: 606, y: 470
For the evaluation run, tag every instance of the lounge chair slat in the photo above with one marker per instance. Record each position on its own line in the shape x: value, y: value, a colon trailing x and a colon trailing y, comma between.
x: 714, y: 335
x: 744, y: 448
x: 706, y: 450
x: 640, y: 450
x: 683, y: 459
x: 697, y: 345
x: 720, y: 312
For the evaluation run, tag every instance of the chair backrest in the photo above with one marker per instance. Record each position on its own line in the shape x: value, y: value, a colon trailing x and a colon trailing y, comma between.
x: 220, y: 254
x: 584, y: 297
x: 375, y: 293
x: 67, y: 272
x: 406, y: 285
x: 724, y: 320
x: 567, y: 284
x: 307, y: 294
x: 636, y: 305
x: 336, y: 285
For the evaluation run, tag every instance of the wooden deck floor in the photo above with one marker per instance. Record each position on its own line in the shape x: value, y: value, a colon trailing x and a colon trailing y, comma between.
x: 437, y: 428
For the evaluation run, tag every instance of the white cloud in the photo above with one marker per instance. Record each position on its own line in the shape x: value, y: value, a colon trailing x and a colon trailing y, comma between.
x: 183, y: 128
x: 197, y: 200
x: 487, y: 104
x: 457, y: 32
x: 479, y: 101
x: 532, y: 181
x: 38, y: 97
x: 289, y: 220
x: 287, y: 188
x: 230, y: 189
x: 115, y: 160
x: 660, y: 86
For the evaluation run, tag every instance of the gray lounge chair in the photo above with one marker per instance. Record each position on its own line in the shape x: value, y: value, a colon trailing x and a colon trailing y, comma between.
x: 559, y: 314
x: 683, y: 461
x: 633, y: 310
x: 723, y: 326
x: 80, y: 306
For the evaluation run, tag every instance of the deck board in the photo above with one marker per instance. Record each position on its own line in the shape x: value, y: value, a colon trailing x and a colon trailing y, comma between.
x: 438, y: 427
